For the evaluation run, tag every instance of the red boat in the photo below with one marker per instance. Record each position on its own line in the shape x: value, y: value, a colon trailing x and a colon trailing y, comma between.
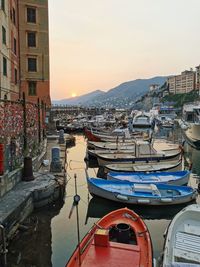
x: 90, y: 136
x: 119, y: 239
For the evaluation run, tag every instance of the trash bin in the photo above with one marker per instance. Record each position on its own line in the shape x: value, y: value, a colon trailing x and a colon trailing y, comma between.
x: 28, y: 170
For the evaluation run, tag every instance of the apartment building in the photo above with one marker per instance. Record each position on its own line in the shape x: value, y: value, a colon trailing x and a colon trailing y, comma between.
x: 5, y: 66
x: 34, y: 50
x: 183, y: 83
x: 14, y: 50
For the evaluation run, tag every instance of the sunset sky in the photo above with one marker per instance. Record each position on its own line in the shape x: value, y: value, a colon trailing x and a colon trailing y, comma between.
x: 98, y: 44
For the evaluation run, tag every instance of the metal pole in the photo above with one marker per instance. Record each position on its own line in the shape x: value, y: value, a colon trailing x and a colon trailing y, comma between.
x: 39, y: 123
x: 24, y: 117
x: 77, y: 220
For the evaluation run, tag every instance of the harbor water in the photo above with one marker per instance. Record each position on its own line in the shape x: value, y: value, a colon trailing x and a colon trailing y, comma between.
x: 54, y: 239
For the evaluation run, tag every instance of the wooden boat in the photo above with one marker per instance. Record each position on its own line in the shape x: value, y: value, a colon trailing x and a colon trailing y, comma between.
x: 119, y: 239
x: 145, y: 155
x: 138, y: 193
x: 174, y: 178
x: 157, y: 144
x: 92, y: 153
x: 172, y: 165
x: 182, y: 244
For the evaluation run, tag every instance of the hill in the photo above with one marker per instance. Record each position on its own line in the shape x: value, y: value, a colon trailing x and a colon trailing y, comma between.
x: 121, y: 96
x: 78, y: 100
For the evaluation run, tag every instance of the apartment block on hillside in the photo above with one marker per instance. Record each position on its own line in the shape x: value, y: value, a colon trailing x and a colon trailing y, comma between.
x: 183, y: 83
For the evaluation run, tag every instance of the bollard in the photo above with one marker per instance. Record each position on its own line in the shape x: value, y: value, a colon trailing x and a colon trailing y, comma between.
x: 56, y: 165
x: 61, y: 139
x: 28, y: 170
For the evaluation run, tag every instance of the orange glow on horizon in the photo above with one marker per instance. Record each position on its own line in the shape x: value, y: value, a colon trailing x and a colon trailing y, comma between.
x: 74, y: 94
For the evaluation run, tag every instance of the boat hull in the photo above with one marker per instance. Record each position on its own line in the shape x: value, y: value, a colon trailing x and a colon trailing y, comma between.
x: 100, y: 249
x: 173, y: 178
x: 182, y: 244
x: 123, y: 192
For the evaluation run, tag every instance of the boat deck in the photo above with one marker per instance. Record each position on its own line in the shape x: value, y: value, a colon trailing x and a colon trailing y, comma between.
x: 116, y: 254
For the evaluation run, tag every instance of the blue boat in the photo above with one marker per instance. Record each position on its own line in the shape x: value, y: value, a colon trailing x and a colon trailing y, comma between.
x: 141, y: 194
x: 174, y: 178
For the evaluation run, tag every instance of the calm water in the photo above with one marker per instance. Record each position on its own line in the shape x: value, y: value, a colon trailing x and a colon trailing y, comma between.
x: 62, y: 236
x: 91, y: 209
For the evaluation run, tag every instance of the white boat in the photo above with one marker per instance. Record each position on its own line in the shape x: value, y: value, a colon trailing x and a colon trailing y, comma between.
x: 144, y: 151
x: 172, y: 165
x: 190, y: 124
x: 143, y: 120
x: 182, y: 244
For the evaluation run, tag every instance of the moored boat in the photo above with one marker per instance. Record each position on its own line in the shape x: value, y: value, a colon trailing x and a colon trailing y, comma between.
x: 120, y: 239
x: 190, y: 124
x: 174, y: 178
x: 141, y: 194
x: 182, y: 244
x: 172, y: 165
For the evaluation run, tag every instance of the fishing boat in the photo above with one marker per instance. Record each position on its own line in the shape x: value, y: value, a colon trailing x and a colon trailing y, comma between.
x: 190, y: 124
x: 140, y: 193
x: 120, y: 239
x: 174, y: 178
x: 182, y: 244
x: 144, y: 152
x: 172, y: 165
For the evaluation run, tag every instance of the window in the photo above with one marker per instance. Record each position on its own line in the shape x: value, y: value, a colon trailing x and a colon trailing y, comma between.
x: 13, y: 16
x: 31, y: 14
x: 4, y: 66
x: 15, y: 46
x: 32, y: 64
x: 3, y: 5
x: 15, y: 76
x: 3, y: 35
x: 32, y: 88
x: 31, y: 39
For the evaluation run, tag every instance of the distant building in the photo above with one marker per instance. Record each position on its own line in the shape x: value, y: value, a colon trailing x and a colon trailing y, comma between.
x: 183, y: 83
x: 154, y: 87
x: 34, y: 50
x: 198, y: 77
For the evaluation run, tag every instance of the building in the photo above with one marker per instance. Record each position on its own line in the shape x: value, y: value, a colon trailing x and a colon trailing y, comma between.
x: 154, y: 87
x: 183, y: 83
x: 198, y: 77
x: 5, y: 66
x: 34, y: 50
x: 14, y: 50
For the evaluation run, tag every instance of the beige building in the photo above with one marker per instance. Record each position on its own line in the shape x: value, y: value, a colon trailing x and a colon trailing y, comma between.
x: 183, y: 83
x: 5, y: 66
x: 34, y: 49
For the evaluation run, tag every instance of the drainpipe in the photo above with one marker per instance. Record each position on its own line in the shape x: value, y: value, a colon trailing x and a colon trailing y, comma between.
x: 4, y: 250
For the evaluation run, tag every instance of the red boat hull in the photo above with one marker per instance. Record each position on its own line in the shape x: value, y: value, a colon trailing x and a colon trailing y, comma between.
x: 97, y: 249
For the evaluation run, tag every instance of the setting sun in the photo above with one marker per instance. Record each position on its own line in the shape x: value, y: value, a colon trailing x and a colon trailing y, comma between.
x: 74, y: 94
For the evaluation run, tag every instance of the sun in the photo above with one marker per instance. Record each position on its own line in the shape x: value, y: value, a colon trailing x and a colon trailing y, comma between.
x: 74, y: 94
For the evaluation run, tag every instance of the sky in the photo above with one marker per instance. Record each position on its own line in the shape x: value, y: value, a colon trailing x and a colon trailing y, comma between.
x: 98, y: 44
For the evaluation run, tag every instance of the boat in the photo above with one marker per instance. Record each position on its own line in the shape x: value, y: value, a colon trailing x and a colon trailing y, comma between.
x: 182, y: 243
x: 144, y: 152
x: 174, y: 178
x: 143, y: 120
x: 172, y: 165
x: 190, y: 124
x: 141, y: 194
x: 120, y: 239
